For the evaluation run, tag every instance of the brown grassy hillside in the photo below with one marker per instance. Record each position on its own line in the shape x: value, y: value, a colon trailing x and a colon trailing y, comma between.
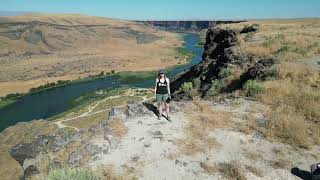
x: 294, y: 94
x: 35, y: 49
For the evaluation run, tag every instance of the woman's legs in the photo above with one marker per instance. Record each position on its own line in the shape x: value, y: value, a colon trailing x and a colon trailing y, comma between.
x: 160, y: 109
x: 167, y: 110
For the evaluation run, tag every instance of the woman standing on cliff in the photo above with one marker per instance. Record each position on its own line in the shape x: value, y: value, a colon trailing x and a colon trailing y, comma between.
x: 162, y: 92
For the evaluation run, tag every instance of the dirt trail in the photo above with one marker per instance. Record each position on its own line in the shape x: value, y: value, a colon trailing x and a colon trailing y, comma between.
x: 151, y: 149
x: 91, y: 108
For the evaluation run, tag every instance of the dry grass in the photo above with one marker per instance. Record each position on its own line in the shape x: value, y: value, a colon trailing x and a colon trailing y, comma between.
x: 254, y: 170
x: 295, y: 102
x: 290, y: 128
x: 231, y: 170
x: 288, y: 40
x: 118, y: 102
x: 279, y: 151
x: 294, y: 97
x: 208, y: 169
x: 86, y: 122
x: 9, y: 168
x: 249, y: 126
x: 119, y: 129
x: 109, y: 173
x: 281, y: 164
x: 201, y: 121
x: 252, y: 155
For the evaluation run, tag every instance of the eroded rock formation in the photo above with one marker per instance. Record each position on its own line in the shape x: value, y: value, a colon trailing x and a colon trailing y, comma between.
x: 220, y: 53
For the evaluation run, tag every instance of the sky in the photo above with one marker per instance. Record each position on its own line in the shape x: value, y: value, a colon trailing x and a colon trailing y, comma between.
x: 171, y: 9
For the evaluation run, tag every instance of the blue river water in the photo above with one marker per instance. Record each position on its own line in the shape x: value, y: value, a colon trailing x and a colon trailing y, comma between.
x: 49, y: 103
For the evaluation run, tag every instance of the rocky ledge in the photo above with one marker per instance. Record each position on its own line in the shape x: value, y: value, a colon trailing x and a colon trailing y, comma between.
x: 49, y: 147
x: 221, y: 53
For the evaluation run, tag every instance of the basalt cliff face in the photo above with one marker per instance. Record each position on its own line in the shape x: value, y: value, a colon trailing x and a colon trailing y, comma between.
x: 221, y: 56
x: 186, y: 25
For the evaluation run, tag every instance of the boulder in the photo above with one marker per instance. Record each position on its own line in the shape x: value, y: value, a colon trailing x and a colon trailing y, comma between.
x: 61, y: 141
x: 31, y: 171
x: 137, y: 109
x: 117, y: 112
x: 92, y: 149
x: 21, y: 152
x: 75, y: 157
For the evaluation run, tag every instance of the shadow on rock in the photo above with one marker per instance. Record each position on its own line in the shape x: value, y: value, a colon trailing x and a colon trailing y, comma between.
x: 151, y: 107
x: 301, y: 173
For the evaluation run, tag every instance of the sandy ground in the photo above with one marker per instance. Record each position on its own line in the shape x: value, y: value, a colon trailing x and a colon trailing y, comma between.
x: 151, y: 151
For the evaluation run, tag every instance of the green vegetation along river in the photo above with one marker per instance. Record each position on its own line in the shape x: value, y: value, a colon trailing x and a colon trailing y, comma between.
x: 49, y: 103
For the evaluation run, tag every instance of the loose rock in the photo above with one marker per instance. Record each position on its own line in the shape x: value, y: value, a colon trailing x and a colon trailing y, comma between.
x: 75, y: 158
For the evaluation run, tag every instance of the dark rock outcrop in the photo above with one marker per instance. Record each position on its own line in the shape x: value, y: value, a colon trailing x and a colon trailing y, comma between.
x: 251, y: 28
x: 21, y: 152
x: 220, y: 55
x: 261, y: 69
x: 26, y: 152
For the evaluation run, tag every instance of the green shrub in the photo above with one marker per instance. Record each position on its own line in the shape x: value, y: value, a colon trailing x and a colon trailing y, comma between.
x: 252, y: 88
x: 216, y: 87
x: 183, y: 53
x: 71, y: 174
x: 224, y: 72
x: 186, y: 87
x: 189, y: 88
x: 196, y: 83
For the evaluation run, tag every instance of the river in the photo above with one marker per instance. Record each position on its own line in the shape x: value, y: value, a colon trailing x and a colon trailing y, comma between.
x: 52, y: 102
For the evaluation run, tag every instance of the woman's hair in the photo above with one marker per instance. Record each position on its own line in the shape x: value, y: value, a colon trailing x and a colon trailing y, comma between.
x: 161, y: 72
x: 160, y: 76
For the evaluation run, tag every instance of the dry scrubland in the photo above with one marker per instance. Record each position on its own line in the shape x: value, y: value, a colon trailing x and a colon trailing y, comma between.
x: 36, y: 49
x: 24, y: 132
x: 233, y: 139
x: 294, y: 95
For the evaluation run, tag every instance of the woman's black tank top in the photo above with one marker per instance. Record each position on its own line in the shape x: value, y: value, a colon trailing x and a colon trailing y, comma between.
x: 162, y: 87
